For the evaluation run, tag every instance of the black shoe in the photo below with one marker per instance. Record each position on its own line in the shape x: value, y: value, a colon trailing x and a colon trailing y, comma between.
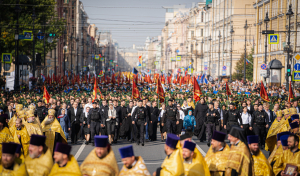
x: 86, y: 143
x: 201, y: 140
x: 93, y: 144
x: 142, y: 144
x: 138, y: 143
x: 162, y: 140
x: 72, y: 143
x: 208, y: 144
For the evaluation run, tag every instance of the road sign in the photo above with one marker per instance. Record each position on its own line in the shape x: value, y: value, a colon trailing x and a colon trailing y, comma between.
x: 224, y: 67
x: 273, y: 38
x: 263, y: 66
x: 297, y: 57
x: 28, y: 35
x: 40, y: 35
x: 205, y: 68
x: 156, y: 62
x: 177, y: 51
x: 224, y: 73
x: 178, y: 58
x: 263, y: 73
x: 296, y: 76
x: 6, y: 58
x: 21, y: 37
x: 50, y: 39
x: 297, y: 67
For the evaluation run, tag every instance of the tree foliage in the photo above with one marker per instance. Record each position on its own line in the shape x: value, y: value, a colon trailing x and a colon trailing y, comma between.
x: 239, y: 68
x: 46, y: 17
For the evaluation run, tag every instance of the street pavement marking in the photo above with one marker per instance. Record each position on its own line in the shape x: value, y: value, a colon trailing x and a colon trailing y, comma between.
x: 200, y: 149
x: 79, y: 151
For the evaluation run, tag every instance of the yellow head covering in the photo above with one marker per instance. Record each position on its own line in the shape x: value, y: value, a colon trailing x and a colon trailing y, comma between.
x: 22, y: 112
x: 19, y: 107
x: 51, y: 112
x: 293, y: 111
x: 278, y: 113
x: 286, y: 111
x: 31, y: 107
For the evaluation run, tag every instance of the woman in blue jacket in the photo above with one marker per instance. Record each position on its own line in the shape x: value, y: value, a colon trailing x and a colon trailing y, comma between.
x: 189, y: 123
x: 64, y: 122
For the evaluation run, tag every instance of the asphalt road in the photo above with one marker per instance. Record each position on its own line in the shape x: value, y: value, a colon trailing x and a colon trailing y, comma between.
x: 152, y: 153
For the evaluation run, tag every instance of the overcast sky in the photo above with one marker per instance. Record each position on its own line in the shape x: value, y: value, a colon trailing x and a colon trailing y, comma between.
x: 130, y: 21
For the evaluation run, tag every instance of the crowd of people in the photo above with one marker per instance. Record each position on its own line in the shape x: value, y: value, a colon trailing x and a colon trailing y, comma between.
x: 34, y: 132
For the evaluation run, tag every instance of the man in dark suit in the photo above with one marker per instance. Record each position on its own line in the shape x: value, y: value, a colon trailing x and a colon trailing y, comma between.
x: 75, y: 113
x: 270, y: 115
x: 154, y: 113
x: 295, y: 105
x: 10, y: 113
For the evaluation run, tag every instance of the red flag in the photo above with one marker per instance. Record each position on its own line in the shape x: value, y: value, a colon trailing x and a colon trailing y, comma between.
x: 228, y: 92
x: 96, y: 90
x: 135, y: 90
x: 113, y: 79
x: 197, y: 91
x: 291, y: 94
x: 46, y: 95
x: 263, y: 92
x: 119, y: 79
x: 160, y: 92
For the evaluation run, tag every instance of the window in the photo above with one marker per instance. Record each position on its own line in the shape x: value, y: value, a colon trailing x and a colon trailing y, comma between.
x: 192, y: 47
x: 170, y: 10
x: 201, y: 32
x: 202, y: 14
x: 192, y: 34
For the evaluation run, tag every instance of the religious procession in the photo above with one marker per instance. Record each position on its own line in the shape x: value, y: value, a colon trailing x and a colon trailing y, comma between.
x: 249, y: 129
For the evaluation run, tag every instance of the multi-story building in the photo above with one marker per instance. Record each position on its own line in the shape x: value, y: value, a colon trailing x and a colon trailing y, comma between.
x: 219, y: 16
x: 278, y: 21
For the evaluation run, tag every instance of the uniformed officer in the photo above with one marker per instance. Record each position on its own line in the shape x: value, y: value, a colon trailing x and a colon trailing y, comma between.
x: 259, y: 124
x: 232, y: 118
x: 212, y: 116
x: 41, y: 111
x: 140, y: 117
x: 172, y: 116
x: 103, y: 112
x: 94, y: 120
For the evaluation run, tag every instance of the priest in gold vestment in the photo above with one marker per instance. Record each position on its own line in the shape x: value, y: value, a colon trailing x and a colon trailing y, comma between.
x: 133, y: 165
x: 192, y: 167
x: 261, y: 164
x: 240, y: 162
x: 39, y: 162
x: 101, y: 161
x: 32, y: 126
x: 5, y: 135
x: 11, y: 122
x: 9, y: 166
x: 173, y: 164
x: 21, y: 135
x: 273, y: 131
x: 281, y: 146
x: 217, y: 155
x: 65, y: 163
x: 290, y: 156
x: 197, y: 155
x: 52, y: 130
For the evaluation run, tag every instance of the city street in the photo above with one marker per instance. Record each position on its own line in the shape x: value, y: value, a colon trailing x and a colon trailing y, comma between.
x: 152, y: 153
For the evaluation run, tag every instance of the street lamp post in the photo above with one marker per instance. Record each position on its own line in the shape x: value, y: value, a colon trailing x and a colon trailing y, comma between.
x: 16, y: 85
x: 202, y: 53
x: 196, y: 57
x: 64, y: 58
x: 209, y: 64
x: 33, y: 16
x: 266, y: 20
x: 219, y: 76
x: 77, y: 42
x: 289, y: 13
x: 231, y: 34
x: 245, y: 27
x: 71, y: 53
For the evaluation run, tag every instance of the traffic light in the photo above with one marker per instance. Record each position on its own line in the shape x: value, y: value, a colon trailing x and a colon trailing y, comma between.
x: 51, y: 34
x: 288, y: 70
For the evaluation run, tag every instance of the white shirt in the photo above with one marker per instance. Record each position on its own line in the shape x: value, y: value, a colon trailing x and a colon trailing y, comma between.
x: 75, y: 111
x: 133, y: 110
x: 246, y: 118
x: 181, y: 113
x: 268, y: 112
x: 87, y: 105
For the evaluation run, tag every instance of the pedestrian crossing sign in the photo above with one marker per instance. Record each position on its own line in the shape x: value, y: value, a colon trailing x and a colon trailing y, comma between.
x: 273, y: 38
x: 6, y: 58
x: 28, y: 35
x: 296, y: 76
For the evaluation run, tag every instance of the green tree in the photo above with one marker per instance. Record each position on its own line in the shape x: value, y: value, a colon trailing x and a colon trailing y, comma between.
x: 46, y: 16
x: 239, y: 68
